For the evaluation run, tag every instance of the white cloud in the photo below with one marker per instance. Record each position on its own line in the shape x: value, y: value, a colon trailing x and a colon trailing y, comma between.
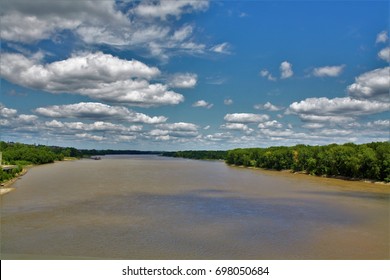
x: 266, y: 74
x: 218, y: 137
x: 221, y: 48
x: 9, y: 118
x: 334, y: 132
x: 97, y: 75
x: 171, y: 131
x: 326, y: 119
x: 183, y: 80
x: 125, y: 138
x: 267, y: 106
x: 380, y: 124
x: 97, y: 111
x: 163, y: 9
x: 88, y: 136
x: 374, y: 85
x: 344, y: 106
x: 382, y: 37
x: 237, y: 126
x: 27, y: 119
x: 328, y: 71
x: 286, y: 70
x: 202, y: 103
x: 7, y: 112
x: 385, y: 54
x: 180, y: 126
x: 270, y: 124
x: 228, y: 101
x: 245, y: 118
x: 142, y: 26
x: 36, y: 20
x: 95, y: 126
x: 278, y: 133
x: 313, y: 125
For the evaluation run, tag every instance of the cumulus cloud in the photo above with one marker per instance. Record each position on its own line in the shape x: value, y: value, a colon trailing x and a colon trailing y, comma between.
x: 337, y: 106
x: 374, y: 85
x: 182, y: 126
x: 286, y: 70
x: 183, y: 80
x: 95, y: 126
x: 94, y: 110
x: 219, y: 136
x: 202, y: 103
x: 245, y: 118
x: 267, y: 106
x: 382, y: 37
x: 336, y: 110
x: 237, y: 126
x: 143, y: 25
x: 10, y: 118
x: 385, y: 54
x: 328, y: 71
x: 270, y: 124
x: 326, y: 119
x: 7, y: 112
x: 97, y: 75
x: 172, y: 131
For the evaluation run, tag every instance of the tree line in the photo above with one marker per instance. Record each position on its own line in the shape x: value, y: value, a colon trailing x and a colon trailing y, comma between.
x: 21, y: 155
x: 213, y: 155
x: 363, y: 161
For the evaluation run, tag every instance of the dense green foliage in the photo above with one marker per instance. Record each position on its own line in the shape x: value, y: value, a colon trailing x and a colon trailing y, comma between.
x: 14, y: 153
x: 368, y: 161
x: 93, y: 152
x: 197, y: 154
x: 21, y: 155
x: 365, y: 161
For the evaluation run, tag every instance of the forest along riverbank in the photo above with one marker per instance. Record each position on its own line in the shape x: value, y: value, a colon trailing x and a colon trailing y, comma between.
x: 150, y: 207
x: 349, y: 161
x: 6, y: 187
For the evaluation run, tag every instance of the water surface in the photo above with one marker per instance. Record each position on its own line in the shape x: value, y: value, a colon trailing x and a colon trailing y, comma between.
x: 150, y: 207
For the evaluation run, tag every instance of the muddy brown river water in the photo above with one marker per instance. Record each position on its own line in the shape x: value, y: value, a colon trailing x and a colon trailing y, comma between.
x: 150, y: 207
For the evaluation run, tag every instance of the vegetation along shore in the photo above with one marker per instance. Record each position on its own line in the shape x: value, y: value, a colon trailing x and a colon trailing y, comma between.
x: 369, y: 161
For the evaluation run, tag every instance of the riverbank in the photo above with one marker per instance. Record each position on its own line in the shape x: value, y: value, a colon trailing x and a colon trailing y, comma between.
x: 344, y: 183
x: 6, y: 186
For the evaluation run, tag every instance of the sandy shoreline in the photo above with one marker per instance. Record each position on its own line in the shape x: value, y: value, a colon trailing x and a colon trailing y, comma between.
x: 6, y: 187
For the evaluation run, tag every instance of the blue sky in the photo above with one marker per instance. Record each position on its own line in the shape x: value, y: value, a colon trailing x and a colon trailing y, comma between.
x: 175, y: 75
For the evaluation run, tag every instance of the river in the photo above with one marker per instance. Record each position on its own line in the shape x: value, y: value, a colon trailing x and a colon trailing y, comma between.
x: 150, y: 207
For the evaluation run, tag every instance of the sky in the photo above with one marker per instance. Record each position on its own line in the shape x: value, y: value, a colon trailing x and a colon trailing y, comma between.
x: 194, y: 74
